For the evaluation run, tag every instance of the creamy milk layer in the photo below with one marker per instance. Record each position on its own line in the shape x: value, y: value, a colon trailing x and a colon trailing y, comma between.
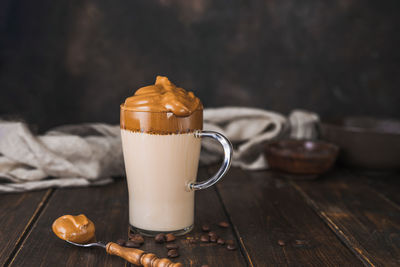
x: 158, y: 169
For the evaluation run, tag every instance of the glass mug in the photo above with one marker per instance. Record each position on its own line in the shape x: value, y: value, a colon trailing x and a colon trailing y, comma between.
x: 161, y: 168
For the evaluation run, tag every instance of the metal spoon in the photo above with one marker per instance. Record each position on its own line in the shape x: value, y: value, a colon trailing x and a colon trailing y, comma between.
x: 95, y: 244
x: 132, y: 255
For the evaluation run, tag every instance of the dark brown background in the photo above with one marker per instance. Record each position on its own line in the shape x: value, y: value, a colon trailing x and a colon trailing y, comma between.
x: 75, y: 61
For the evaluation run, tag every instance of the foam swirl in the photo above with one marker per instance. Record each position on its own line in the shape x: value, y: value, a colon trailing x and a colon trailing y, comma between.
x: 163, y: 96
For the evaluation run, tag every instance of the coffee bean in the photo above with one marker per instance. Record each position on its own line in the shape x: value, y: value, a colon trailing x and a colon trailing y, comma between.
x: 204, y: 238
x: 131, y: 234
x: 281, y: 243
x: 131, y: 244
x: 231, y: 247
x: 137, y: 238
x: 173, y: 253
x: 172, y: 246
x: 221, y: 241
x: 192, y: 241
x: 205, y: 265
x: 223, y: 224
x: 121, y: 242
x: 160, y: 238
x: 205, y: 228
x: 211, y: 234
x: 169, y: 237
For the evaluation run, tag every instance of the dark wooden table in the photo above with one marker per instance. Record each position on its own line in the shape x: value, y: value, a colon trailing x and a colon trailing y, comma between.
x: 344, y: 218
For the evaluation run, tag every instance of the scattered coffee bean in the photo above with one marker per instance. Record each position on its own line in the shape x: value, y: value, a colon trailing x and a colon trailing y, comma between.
x: 210, y: 234
x: 281, y: 243
x: 204, y: 238
x: 213, y: 237
x: 160, y: 238
x: 221, y: 241
x: 173, y: 253
x: 172, y: 246
x: 130, y: 234
x: 231, y: 247
x: 131, y: 244
x: 169, y: 237
x: 223, y: 224
x: 121, y: 242
x: 137, y: 238
x: 205, y: 228
x: 205, y: 265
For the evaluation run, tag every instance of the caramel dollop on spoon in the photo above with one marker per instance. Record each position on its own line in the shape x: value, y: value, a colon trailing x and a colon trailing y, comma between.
x: 78, y: 229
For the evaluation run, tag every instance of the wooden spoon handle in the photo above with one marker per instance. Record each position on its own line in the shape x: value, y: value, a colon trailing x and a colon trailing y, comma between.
x: 139, y: 257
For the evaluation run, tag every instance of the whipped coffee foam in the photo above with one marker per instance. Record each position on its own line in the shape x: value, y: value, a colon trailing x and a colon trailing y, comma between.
x: 78, y: 229
x: 162, y: 108
x: 163, y: 96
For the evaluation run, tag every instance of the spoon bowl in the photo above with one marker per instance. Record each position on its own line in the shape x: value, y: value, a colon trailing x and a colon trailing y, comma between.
x: 93, y: 244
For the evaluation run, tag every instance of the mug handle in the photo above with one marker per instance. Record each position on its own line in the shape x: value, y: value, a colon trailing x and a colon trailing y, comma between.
x: 228, y: 150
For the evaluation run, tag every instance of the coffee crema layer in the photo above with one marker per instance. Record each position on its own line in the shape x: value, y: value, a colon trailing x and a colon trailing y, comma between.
x: 160, y: 122
x: 78, y: 229
x: 162, y: 108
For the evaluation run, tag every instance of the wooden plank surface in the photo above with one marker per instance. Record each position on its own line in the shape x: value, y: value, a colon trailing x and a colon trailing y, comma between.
x: 107, y: 207
x: 265, y: 210
x: 367, y: 222
x: 387, y: 184
x: 275, y: 221
x: 18, y: 212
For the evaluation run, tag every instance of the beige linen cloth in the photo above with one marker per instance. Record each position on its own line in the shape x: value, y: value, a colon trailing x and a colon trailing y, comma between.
x: 90, y: 154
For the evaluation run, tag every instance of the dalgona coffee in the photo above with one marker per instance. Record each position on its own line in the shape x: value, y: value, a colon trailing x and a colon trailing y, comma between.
x: 161, y: 154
